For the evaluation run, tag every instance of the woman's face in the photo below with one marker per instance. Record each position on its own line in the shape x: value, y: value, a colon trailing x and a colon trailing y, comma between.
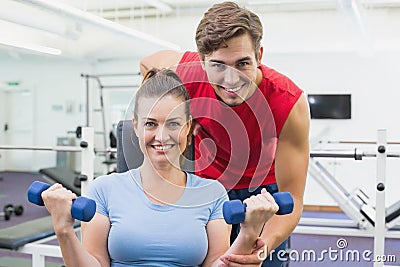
x: 162, y: 128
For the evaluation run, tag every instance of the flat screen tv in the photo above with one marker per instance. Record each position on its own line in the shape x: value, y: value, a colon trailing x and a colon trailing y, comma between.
x: 330, y: 106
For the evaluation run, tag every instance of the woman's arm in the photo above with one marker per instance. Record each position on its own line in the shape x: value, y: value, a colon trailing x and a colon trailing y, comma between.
x: 259, y: 210
x: 218, y: 233
x: 93, y: 249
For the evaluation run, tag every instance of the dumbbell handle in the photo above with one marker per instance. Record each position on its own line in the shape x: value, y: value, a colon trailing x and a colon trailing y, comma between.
x: 234, y: 210
x: 83, y: 208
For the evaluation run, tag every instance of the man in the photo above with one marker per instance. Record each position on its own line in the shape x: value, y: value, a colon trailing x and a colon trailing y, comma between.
x: 234, y: 96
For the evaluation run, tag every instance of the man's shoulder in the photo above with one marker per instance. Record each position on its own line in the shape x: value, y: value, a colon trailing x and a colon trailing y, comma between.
x: 271, y: 74
x: 277, y: 81
x: 189, y: 56
x: 191, y: 72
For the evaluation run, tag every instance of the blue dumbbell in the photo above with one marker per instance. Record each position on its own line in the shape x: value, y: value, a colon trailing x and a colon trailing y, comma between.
x: 83, y: 208
x: 234, y: 210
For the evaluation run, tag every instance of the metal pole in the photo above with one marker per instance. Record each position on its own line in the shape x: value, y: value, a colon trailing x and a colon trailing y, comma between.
x: 337, y: 154
x: 120, y: 86
x: 58, y: 148
x: 380, y: 206
x: 87, y: 158
x: 87, y: 100
x: 103, y: 115
x: 118, y: 74
x: 107, y: 150
x: 361, y: 142
x: 351, y: 154
x: 42, y: 148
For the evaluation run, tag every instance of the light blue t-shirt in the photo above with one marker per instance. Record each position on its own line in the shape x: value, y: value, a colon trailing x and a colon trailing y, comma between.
x: 147, y: 234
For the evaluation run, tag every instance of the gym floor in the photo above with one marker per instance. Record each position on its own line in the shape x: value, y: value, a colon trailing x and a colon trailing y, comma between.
x: 329, y: 250
x: 306, y: 250
x: 13, y: 187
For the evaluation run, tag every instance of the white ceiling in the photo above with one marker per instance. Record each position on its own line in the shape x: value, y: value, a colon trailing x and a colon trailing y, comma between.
x: 87, y: 29
x: 78, y: 34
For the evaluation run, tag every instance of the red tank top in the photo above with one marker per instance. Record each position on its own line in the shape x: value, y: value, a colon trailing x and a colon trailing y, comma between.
x: 237, y: 144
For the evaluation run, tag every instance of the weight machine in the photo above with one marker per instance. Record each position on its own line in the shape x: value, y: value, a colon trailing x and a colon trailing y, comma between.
x: 30, y: 237
x: 99, y: 79
x: 378, y: 222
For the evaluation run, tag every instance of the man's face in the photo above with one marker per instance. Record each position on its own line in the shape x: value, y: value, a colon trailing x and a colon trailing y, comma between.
x: 232, y: 70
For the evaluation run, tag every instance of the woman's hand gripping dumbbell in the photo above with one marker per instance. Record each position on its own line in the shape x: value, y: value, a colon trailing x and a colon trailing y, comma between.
x: 81, y: 208
x: 234, y: 210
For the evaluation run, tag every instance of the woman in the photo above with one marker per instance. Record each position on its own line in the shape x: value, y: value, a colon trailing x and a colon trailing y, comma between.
x: 157, y: 214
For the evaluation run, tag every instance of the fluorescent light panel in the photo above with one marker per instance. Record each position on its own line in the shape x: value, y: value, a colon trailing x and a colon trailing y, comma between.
x: 78, y: 15
x: 30, y: 46
x: 22, y: 14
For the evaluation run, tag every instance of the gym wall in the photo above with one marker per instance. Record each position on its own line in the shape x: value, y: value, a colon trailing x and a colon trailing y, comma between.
x: 46, y: 104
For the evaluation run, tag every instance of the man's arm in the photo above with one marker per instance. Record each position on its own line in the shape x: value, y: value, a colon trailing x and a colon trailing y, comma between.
x: 291, y: 164
x: 159, y: 60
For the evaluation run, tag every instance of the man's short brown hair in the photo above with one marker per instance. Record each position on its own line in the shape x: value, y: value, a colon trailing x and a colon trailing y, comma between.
x: 224, y: 21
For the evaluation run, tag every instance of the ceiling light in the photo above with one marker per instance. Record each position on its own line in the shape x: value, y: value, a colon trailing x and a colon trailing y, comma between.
x: 84, y: 17
x: 30, y: 46
x: 24, y: 15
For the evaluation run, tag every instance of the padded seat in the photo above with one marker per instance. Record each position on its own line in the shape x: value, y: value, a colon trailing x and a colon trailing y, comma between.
x: 18, y: 235
x: 64, y: 177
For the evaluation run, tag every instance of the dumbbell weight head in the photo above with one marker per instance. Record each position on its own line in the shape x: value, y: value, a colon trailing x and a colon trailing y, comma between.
x: 18, y: 210
x: 285, y: 202
x: 9, y: 207
x: 35, y: 192
x: 83, y: 209
x: 234, y: 210
x: 6, y: 214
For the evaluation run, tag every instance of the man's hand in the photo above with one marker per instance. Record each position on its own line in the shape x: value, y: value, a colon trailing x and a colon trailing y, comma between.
x: 255, y: 259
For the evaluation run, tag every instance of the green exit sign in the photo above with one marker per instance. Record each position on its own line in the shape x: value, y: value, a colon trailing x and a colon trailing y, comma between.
x: 13, y: 83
